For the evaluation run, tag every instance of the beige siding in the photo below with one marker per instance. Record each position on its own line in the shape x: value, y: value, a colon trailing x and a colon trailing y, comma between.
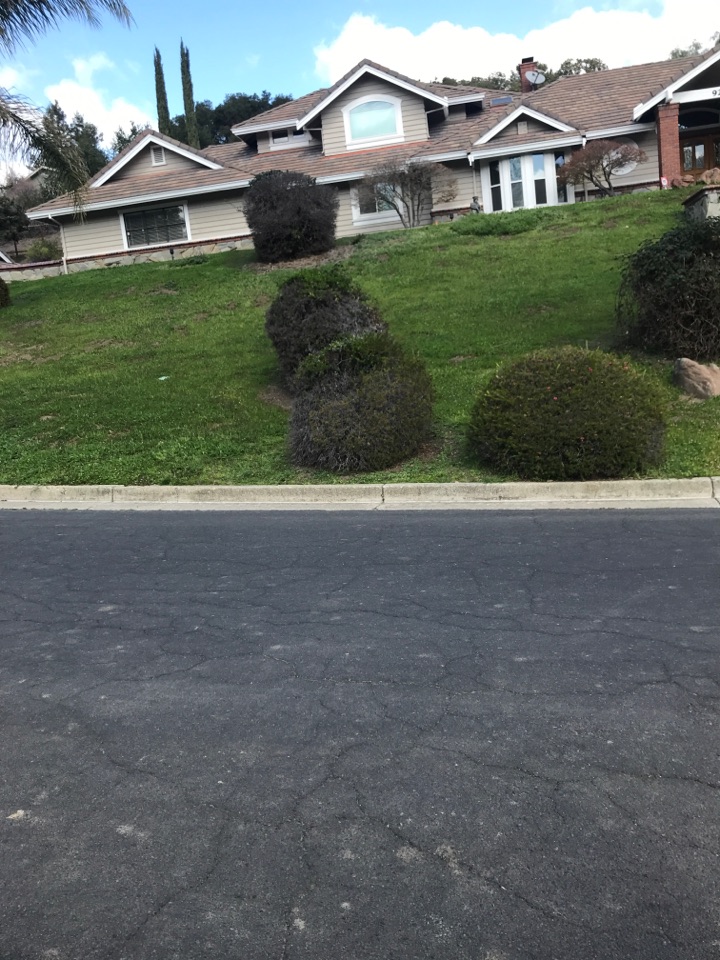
x: 510, y: 133
x: 347, y: 227
x: 216, y: 217
x: 263, y: 142
x: 648, y: 170
x: 98, y: 233
x: 465, y: 187
x: 415, y: 126
x: 141, y: 165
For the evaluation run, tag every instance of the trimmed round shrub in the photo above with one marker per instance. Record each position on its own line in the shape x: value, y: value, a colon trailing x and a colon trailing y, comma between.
x: 365, y: 406
x: 290, y: 215
x: 568, y: 414
x: 669, y: 298
x: 314, y: 308
x: 4, y: 294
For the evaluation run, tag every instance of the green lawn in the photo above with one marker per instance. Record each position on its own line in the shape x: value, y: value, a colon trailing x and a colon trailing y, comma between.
x: 160, y: 373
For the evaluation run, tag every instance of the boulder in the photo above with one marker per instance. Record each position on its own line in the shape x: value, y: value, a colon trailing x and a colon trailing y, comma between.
x: 710, y: 176
x: 698, y: 380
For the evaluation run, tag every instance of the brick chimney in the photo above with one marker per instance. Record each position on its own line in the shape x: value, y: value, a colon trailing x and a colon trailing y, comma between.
x: 528, y: 63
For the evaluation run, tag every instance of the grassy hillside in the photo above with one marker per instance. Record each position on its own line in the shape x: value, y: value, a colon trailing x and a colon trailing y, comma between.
x: 162, y: 373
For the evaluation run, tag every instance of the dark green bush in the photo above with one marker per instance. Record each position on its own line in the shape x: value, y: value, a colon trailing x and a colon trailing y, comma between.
x: 365, y: 406
x: 313, y: 308
x: 4, y: 294
x: 669, y: 299
x: 290, y: 215
x: 568, y: 414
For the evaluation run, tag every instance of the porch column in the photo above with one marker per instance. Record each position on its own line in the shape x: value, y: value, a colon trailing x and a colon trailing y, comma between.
x: 668, y: 136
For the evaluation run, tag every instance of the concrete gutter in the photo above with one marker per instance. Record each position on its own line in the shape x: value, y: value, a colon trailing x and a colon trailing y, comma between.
x: 696, y: 492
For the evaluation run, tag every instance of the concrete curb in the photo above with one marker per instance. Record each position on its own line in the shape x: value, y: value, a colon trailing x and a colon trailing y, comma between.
x: 699, y: 491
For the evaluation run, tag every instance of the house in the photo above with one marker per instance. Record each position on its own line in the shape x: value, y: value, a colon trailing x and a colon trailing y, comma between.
x: 159, y: 198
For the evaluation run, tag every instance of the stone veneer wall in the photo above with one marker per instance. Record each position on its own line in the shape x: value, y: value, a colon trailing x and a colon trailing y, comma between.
x: 703, y: 204
x: 54, y: 268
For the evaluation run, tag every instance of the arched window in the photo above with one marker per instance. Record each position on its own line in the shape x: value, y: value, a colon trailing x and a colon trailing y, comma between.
x: 373, y: 119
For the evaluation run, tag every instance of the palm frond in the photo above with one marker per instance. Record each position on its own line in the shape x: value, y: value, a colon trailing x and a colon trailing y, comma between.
x: 28, y: 134
x: 23, y: 20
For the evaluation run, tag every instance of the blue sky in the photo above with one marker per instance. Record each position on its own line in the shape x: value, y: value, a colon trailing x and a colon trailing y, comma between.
x: 288, y: 47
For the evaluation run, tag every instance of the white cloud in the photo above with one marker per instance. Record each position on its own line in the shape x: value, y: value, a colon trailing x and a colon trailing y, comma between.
x: 85, y: 96
x: 619, y: 37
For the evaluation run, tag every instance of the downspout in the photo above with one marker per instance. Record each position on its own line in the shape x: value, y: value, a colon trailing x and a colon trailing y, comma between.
x: 62, y: 241
x: 471, y: 161
x: 585, y: 186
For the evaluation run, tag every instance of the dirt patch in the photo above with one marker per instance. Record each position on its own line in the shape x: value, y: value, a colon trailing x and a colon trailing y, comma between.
x: 262, y: 301
x: 163, y: 291
x: 332, y: 256
x: 276, y: 397
x: 15, y: 355
x: 462, y: 357
x: 200, y: 317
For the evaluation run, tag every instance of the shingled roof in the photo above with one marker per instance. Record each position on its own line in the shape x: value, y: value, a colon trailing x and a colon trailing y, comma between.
x: 588, y: 104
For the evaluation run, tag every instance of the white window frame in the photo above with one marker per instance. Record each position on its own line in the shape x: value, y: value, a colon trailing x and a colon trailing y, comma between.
x: 528, y: 182
x: 379, y: 217
x: 292, y: 138
x: 152, y: 246
x: 155, y: 151
x: 361, y: 143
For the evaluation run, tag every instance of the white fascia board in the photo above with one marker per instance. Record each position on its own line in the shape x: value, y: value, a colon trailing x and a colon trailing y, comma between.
x: 467, y: 98
x: 517, y: 149
x: 623, y: 130
x: 144, y: 198
x: 666, y: 94
x: 341, y: 177
x: 522, y: 111
x: 440, y: 157
x: 158, y: 142
x: 240, y: 128
x: 373, y: 71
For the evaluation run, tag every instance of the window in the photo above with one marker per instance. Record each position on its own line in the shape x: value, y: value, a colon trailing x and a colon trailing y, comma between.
x: 373, y: 120
x: 538, y: 162
x: 495, y: 187
x: 290, y: 137
x: 516, y: 184
x: 157, y: 156
x: 527, y: 180
x: 562, y: 190
x: 371, y: 208
x: 373, y: 203
x: 159, y: 225
x: 700, y: 153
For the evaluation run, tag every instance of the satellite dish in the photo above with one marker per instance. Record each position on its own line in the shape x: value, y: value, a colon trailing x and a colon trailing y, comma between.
x: 535, y: 77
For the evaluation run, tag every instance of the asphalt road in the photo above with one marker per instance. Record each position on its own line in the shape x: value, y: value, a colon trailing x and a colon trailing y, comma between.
x: 344, y: 736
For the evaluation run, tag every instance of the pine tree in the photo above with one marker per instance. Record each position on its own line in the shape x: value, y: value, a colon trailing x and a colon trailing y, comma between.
x: 163, y: 110
x: 193, y: 136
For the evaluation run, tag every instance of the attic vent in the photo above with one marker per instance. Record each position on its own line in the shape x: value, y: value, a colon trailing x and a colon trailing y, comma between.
x: 500, y: 101
x: 157, y: 155
x: 522, y: 126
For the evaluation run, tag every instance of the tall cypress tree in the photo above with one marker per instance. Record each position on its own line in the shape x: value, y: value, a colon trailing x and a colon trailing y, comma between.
x: 193, y: 136
x: 163, y: 112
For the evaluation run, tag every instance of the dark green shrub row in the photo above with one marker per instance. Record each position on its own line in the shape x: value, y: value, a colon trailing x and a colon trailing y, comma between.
x: 669, y: 299
x: 4, y: 294
x: 364, y: 406
x: 568, y: 414
x: 290, y: 215
x: 314, y: 308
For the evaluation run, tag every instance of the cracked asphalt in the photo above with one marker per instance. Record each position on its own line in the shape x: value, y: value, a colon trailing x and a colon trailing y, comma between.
x: 475, y: 735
